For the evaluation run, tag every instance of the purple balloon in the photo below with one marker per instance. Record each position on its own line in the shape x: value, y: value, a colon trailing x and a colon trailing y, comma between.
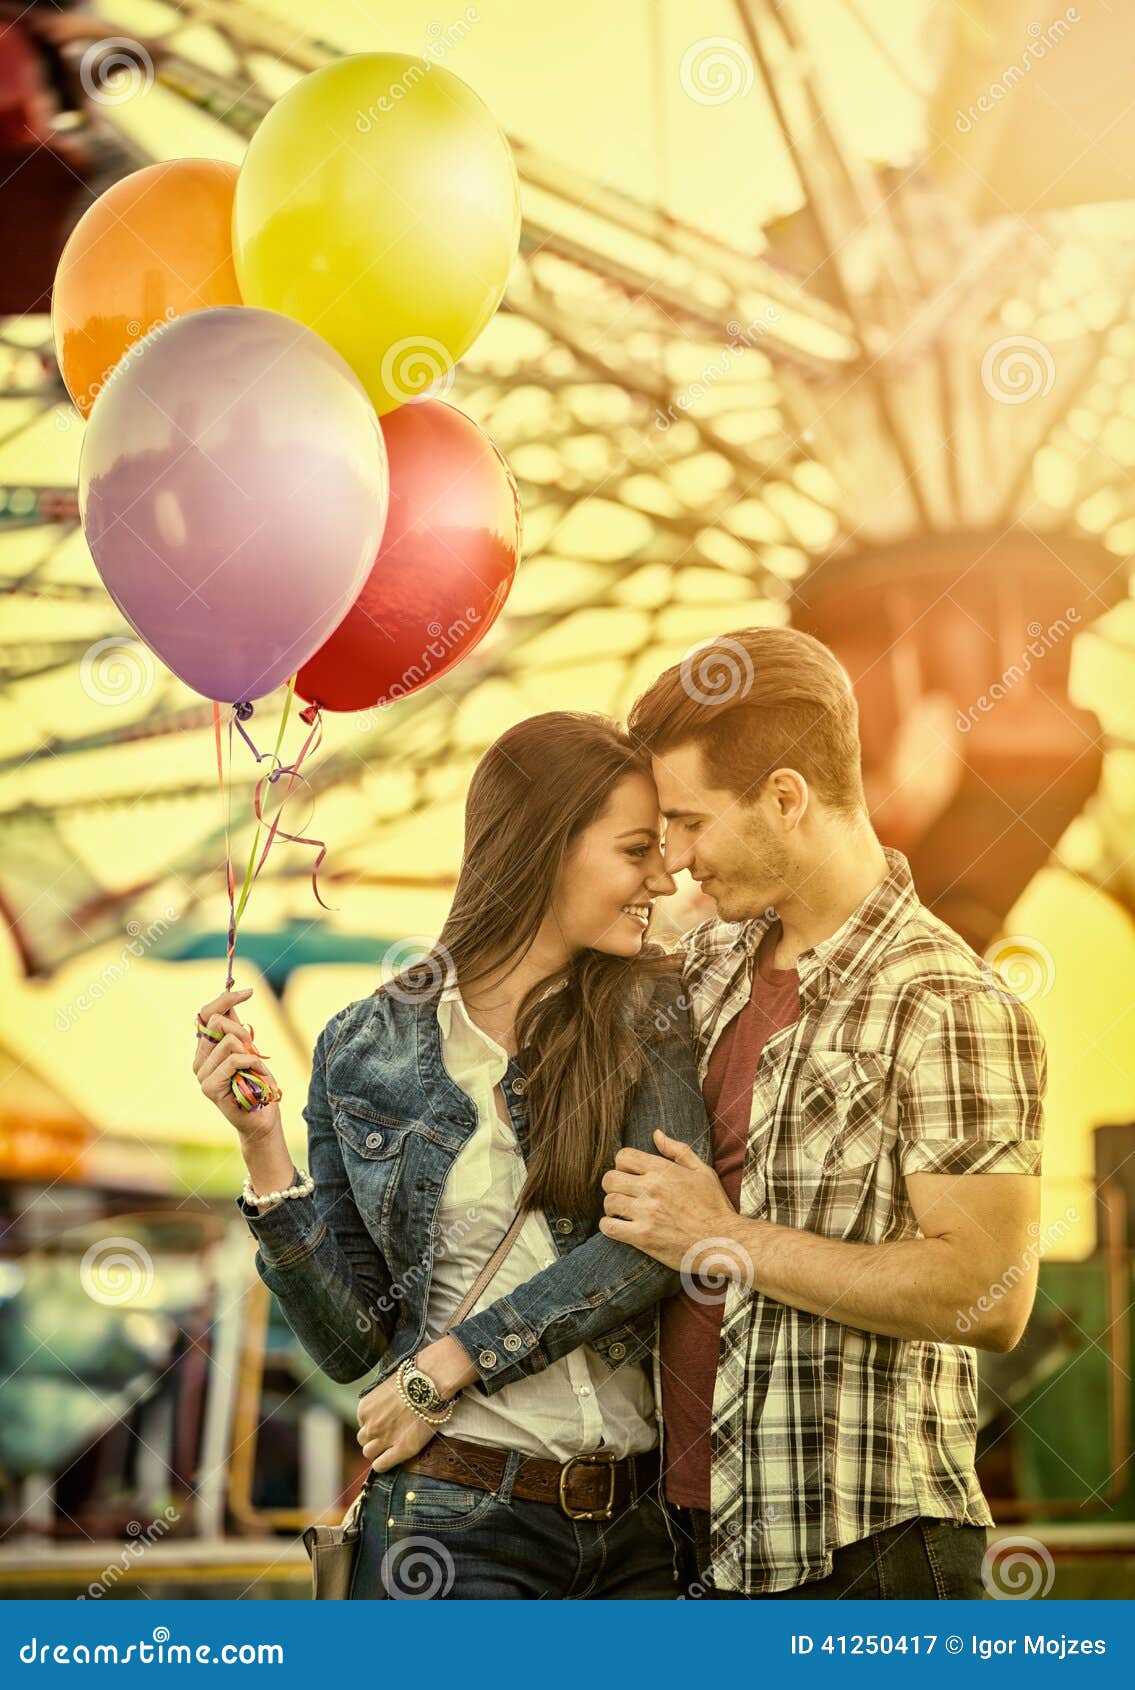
x: 233, y: 489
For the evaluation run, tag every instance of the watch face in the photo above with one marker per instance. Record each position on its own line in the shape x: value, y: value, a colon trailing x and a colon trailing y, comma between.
x: 419, y: 1390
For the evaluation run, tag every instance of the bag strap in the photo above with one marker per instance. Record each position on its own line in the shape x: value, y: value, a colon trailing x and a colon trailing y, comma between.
x: 488, y: 1272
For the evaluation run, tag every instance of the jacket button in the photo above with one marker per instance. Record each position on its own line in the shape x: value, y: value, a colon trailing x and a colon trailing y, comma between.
x: 488, y: 1358
x: 617, y: 1352
x: 519, y: 1087
x: 374, y: 1141
x: 564, y: 1225
x: 511, y: 1341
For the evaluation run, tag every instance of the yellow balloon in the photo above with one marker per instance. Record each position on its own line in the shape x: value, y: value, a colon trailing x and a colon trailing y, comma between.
x: 378, y: 204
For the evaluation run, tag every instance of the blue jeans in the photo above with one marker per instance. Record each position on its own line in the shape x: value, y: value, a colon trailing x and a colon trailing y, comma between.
x: 425, y: 1538
x: 919, y: 1558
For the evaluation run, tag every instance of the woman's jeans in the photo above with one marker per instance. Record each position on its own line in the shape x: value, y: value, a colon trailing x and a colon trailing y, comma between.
x: 922, y: 1557
x: 425, y: 1538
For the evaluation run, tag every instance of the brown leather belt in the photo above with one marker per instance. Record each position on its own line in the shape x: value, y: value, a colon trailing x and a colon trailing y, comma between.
x: 587, y: 1487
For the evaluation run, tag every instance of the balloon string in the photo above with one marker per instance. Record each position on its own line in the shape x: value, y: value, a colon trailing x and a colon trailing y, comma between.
x: 238, y: 713
x: 276, y: 831
x: 250, y: 1089
x: 226, y: 809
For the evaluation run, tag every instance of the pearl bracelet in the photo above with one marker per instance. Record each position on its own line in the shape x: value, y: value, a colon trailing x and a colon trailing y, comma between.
x: 303, y: 1187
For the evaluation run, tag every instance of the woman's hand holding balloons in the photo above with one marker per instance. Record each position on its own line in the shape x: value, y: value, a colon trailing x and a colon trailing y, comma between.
x: 217, y: 1061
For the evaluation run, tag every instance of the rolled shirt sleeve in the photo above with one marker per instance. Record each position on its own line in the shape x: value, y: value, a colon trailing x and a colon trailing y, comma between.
x: 973, y: 1099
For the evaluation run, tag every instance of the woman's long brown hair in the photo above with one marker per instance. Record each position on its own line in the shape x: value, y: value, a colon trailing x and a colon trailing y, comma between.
x: 533, y: 792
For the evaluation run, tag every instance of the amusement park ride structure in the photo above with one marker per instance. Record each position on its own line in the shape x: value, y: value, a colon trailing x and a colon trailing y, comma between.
x: 903, y: 429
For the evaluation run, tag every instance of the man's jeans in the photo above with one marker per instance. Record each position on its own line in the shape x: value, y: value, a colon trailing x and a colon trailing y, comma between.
x: 923, y: 1557
x: 428, y: 1538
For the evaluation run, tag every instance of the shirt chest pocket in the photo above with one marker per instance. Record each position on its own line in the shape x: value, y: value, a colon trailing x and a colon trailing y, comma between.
x: 841, y: 1102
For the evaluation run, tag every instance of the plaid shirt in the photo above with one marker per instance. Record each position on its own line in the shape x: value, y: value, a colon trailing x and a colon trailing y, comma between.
x: 908, y: 1057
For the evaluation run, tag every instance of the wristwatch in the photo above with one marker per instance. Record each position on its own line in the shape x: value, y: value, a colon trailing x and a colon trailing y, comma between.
x: 420, y: 1391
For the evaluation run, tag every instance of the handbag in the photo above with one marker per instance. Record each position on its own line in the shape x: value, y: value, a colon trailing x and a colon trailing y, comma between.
x: 332, y: 1549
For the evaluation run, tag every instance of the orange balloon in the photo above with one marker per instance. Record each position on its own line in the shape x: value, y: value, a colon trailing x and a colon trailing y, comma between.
x: 155, y: 246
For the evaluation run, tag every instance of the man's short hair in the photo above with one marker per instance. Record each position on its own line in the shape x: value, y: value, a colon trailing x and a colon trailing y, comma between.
x: 755, y: 700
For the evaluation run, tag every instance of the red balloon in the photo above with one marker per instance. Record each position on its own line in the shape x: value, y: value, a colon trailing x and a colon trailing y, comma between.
x: 442, y: 573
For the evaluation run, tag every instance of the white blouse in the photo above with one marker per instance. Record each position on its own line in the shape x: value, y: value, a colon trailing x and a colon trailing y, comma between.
x: 576, y: 1404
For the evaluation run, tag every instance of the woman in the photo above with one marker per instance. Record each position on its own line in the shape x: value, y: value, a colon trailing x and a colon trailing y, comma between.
x: 518, y: 1456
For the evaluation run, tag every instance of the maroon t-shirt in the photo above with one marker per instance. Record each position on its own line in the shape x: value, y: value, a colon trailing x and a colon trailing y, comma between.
x: 690, y: 1328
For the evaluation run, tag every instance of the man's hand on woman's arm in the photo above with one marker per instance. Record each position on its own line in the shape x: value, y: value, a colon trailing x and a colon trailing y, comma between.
x: 970, y: 1279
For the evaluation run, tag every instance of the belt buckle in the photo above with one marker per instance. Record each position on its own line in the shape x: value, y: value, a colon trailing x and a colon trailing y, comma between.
x: 589, y: 1513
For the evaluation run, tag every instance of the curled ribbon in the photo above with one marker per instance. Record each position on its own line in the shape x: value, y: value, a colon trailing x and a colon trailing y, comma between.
x: 250, y: 1089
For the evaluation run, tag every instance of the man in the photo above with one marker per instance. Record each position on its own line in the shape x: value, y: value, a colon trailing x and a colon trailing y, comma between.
x: 875, y: 1101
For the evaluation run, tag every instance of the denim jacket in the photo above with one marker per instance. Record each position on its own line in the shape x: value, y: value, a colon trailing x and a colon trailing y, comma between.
x: 351, y: 1263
